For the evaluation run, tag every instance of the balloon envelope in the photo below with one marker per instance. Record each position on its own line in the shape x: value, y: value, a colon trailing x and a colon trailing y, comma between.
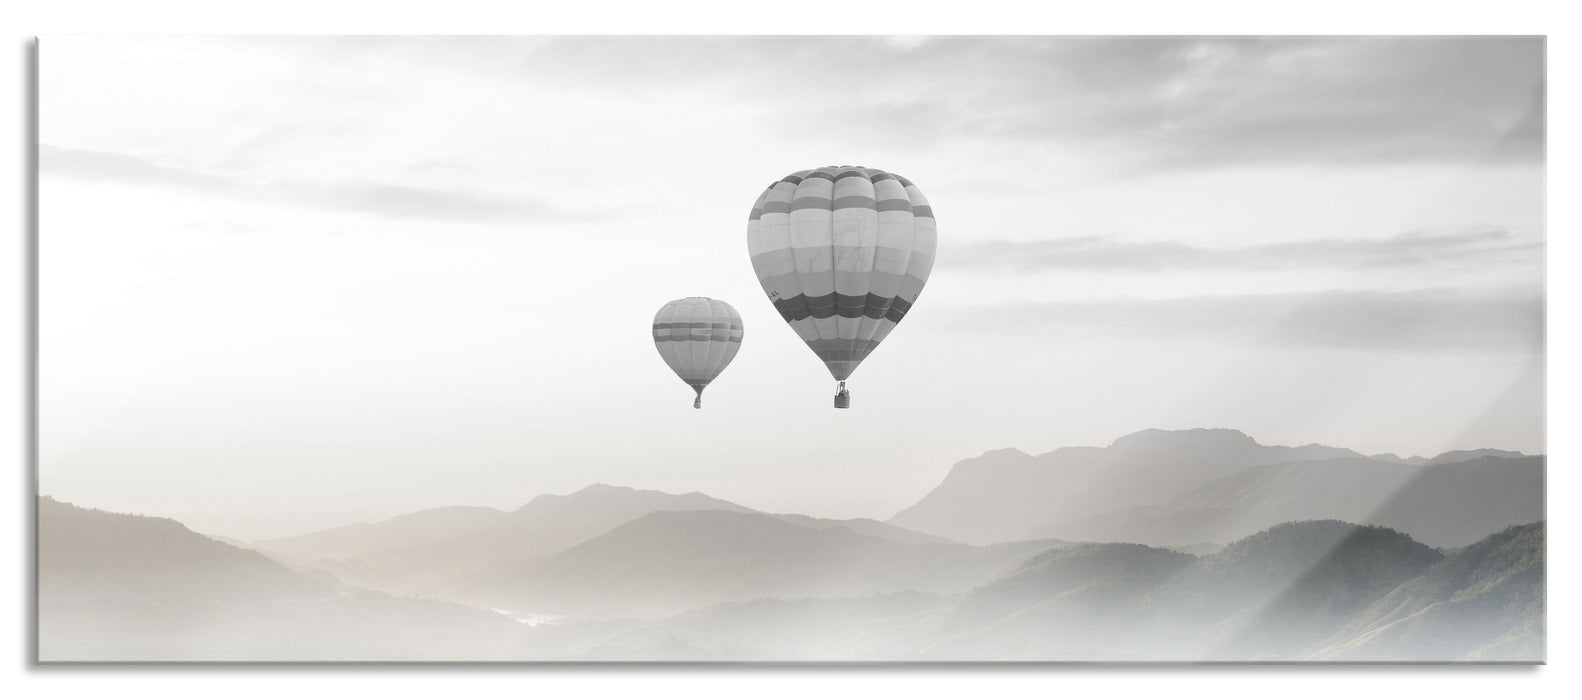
x: 697, y: 337
x: 843, y: 252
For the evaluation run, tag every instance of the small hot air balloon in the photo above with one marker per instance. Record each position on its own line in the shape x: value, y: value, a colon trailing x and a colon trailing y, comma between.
x: 843, y: 253
x: 697, y: 337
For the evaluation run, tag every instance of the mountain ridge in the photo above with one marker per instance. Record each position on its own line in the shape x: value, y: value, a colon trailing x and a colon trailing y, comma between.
x: 1410, y: 498
x: 666, y: 562
x: 1007, y: 494
x: 721, y: 584
x: 542, y: 527
x: 1002, y: 494
x: 122, y: 587
x: 1296, y: 591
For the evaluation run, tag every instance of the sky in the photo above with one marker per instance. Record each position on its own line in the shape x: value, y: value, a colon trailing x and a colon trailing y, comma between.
x: 291, y: 283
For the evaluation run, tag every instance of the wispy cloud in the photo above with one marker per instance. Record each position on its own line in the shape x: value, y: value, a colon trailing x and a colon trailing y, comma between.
x: 352, y: 196
x: 1206, y: 101
x: 1148, y: 102
x: 1108, y: 253
x: 1427, y: 320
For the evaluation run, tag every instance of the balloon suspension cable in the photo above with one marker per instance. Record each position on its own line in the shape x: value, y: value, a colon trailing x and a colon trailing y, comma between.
x: 842, y: 397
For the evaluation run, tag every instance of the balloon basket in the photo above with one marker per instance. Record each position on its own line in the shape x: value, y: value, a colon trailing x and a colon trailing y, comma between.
x: 842, y: 397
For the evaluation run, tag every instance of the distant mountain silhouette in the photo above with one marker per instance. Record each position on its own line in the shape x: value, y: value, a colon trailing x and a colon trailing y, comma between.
x: 116, y: 587
x: 865, y: 526
x: 1009, y: 495
x: 92, y: 553
x: 1452, y: 504
x: 1064, y: 601
x: 671, y: 561
x: 1443, y: 503
x: 1485, y: 603
x: 1273, y: 594
x: 1393, y: 458
x: 419, y: 553
x: 391, y: 559
x: 1308, y: 590
x: 1264, y: 597
x: 1083, y: 553
x: 1468, y: 455
x: 400, y: 532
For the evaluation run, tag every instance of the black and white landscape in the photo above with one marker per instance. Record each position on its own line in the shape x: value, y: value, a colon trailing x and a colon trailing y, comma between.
x: 1164, y: 545
x: 346, y: 348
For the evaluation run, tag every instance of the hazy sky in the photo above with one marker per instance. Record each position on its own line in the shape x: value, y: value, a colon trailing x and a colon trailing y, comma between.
x: 293, y: 283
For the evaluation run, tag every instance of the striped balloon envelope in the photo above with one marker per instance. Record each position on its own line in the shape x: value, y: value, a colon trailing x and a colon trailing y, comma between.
x: 843, y: 252
x: 697, y: 337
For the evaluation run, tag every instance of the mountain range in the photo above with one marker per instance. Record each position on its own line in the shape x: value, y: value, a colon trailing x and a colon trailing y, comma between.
x: 1165, y: 545
x: 1443, y: 504
x: 117, y: 587
x: 435, y: 552
x: 1006, y: 494
x: 667, y: 562
x: 1174, y: 488
x: 1320, y: 591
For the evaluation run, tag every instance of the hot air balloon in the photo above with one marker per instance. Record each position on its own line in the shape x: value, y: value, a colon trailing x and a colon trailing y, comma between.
x: 697, y: 337
x: 842, y: 252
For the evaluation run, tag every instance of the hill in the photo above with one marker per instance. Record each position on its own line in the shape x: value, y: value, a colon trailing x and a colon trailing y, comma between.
x: 418, y: 553
x: 400, y: 532
x: 671, y: 561
x: 401, y: 557
x: 718, y: 584
x: 1442, y: 503
x: 1319, y: 590
x: 118, y: 587
x: 1009, y: 495
x: 1485, y: 603
x: 1271, y: 595
x: 88, y: 553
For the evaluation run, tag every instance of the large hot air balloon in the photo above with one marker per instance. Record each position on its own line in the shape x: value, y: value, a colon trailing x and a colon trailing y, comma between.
x: 697, y: 337
x: 843, y: 253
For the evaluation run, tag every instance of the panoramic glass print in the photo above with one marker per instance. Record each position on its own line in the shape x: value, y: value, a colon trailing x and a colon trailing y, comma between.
x: 1024, y: 349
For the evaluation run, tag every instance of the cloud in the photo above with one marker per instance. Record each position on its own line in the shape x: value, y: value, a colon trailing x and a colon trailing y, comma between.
x: 1483, y: 245
x: 1162, y: 101
x: 1425, y: 320
x: 351, y: 196
x: 1114, y: 106
x: 1210, y: 101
